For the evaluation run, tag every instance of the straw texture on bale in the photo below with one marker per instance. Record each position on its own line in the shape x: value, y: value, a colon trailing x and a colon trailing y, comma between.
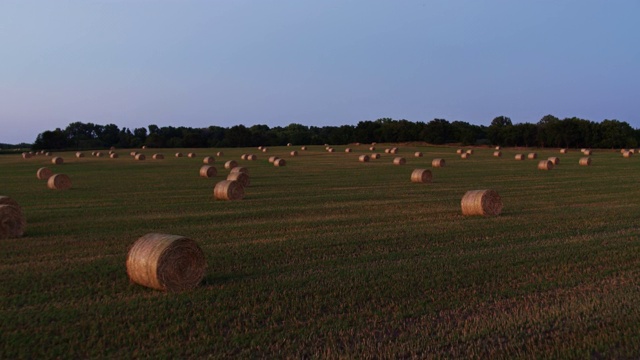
x: 219, y: 153
x: 241, y: 177
x: 12, y: 221
x: 178, y: 154
x: 437, y: 163
x: 79, y: 154
x: 459, y: 151
x: 554, y: 160
x: 347, y: 150
x: 208, y: 171
x: 399, y: 161
x: 421, y: 176
x: 375, y: 156
x: 191, y: 155
x: 481, y: 202
x: 497, y: 154
x: 59, y: 182
x: 279, y: 162
x: 519, y: 157
x: 113, y: 156
x: 166, y: 262
x: 252, y: 157
x: 230, y: 164
x: 208, y: 160
x: 239, y: 169
x: 363, y: 158
x: 158, y: 156
x: 465, y: 155
x: 273, y: 158
x: 627, y: 154
x: 228, y: 190
x: 545, y: 165
x: 585, y: 161
x: 417, y: 154
x: 294, y: 153
x: 57, y: 160
x: 532, y: 156
x: 140, y: 157
x: 44, y: 173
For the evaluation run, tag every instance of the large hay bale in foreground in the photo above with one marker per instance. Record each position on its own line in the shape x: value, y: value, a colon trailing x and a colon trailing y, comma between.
x: 399, y: 161
x: 363, y: 158
x: 554, y: 160
x: 230, y: 164
x: 59, y: 182
x: 481, y: 202
x: 532, y: 156
x: 437, y: 163
x: 166, y: 262
x: 141, y: 157
x: 57, y: 160
x: 279, y: 162
x: 585, y: 161
x: 519, y: 157
x: 208, y: 171
x: 228, y: 190
x: 12, y: 221
x: 208, y: 160
x: 545, y: 165
x: 421, y: 176
x: 43, y: 173
x: 241, y: 177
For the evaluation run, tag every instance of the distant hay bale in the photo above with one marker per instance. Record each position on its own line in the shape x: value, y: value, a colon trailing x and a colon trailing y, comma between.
x: 375, y: 156
x: 59, y: 182
x: 93, y: 153
x: 113, y: 155
x: 157, y: 156
x: 241, y: 177
x: 12, y: 220
x: 279, y: 162
x: 243, y: 157
x: 99, y: 154
x: 347, y: 150
x: 288, y: 144
x: 239, y: 169
x: 393, y: 150
x: 372, y: 148
x: 421, y: 176
x: 219, y: 153
x: 57, y: 160
x: 293, y: 153
x: 260, y: 147
x: 554, y: 160
x: 143, y: 147
x: 178, y: 154
x: 140, y: 157
x: 587, y: 152
x: 273, y: 158
x: 437, y: 163
x: 465, y: 155
x: 208, y: 160
x: 459, y: 151
x: 418, y: 154
x: 497, y: 153
x: 79, y: 154
x: 627, y: 154
x: 545, y: 165
x: 532, y: 156
x: 585, y: 161
x: 481, y: 202
x: 43, y: 173
x: 26, y: 155
x: 363, y: 158
x: 230, y: 164
x: 252, y: 157
x: 208, y: 171
x: 303, y: 148
x: 470, y: 151
x: 387, y: 150
x: 331, y: 150
x: 374, y: 143
x: 191, y: 155
x: 622, y: 151
x: 166, y: 262
x: 228, y: 190
x: 563, y: 151
x: 48, y: 154
x: 111, y: 152
x: 519, y: 157
x: 633, y: 151
x: 497, y: 147
x: 583, y: 150
x: 264, y: 150
x: 133, y: 153
x: 399, y: 161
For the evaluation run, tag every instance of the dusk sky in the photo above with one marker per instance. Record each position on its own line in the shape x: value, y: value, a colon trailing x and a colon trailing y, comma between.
x: 324, y: 62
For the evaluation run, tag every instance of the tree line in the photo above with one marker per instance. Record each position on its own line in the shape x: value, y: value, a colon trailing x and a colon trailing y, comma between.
x: 550, y: 131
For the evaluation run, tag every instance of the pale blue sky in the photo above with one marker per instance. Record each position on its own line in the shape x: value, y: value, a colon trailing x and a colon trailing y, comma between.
x: 324, y: 62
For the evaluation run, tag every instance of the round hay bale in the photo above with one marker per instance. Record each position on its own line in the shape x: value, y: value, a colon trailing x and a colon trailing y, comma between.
x: 243, y: 157
x: 375, y: 156
x: 264, y: 150
x: 532, y: 156
x: 113, y: 156
x: 6, y: 200
x: 633, y: 151
x: 587, y: 152
x: 26, y: 155
x: 93, y: 153
x: 497, y: 147
x: 373, y: 148
x: 393, y: 150
x: 470, y: 151
x: 399, y: 161
x: 304, y: 148
x: 627, y: 154
x: 112, y: 148
x: 44, y: 173
x: 166, y: 262
x: 241, y: 177
x: 386, y: 151
x: 228, y: 190
x: 622, y: 151
x: 288, y: 144
x: 208, y: 171
x: 252, y: 157
x: 583, y: 150
x: 357, y: 144
x: 374, y: 143
x: 563, y: 151
x: 331, y: 150
x: 260, y: 147
x: 585, y: 161
x: 545, y: 165
x: 417, y: 154
x: 57, y: 160
x: 279, y: 162
x: 459, y: 151
x: 12, y: 221
x: 497, y: 153
x: 140, y: 157
x: 239, y: 169
x: 178, y: 154
x: 294, y: 153
x: 347, y: 150
x: 48, y: 154
x: 519, y: 157
x: 230, y: 164
x: 421, y: 176
x: 219, y: 153
x: 273, y: 158
x: 554, y: 160
x: 465, y: 155
x: 191, y: 155
x: 133, y: 153
x: 437, y: 163
x: 99, y: 154
x: 79, y: 154
x: 481, y: 202
x: 143, y: 147
x: 208, y: 160
x: 363, y: 158
x: 158, y: 156
x: 59, y: 182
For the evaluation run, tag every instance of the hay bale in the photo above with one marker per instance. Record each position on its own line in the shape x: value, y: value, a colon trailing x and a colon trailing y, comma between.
x: 373, y: 148
x: 12, y: 221
x: 230, y: 164
x: 158, y: 156
x: 243, y: 157
x: 497, y: 153
x: 43, y: 173
x: 622, y: 151
x: 113, y: 156
x: 304, y: 148
x: 260, y: 147
x: 191, y: 155
x: 497, y: 147
x: 178, y: 154
x: 375, y: 156
x: 465, y: 155
x: 79, y: 154
x: 288, y: 144
x: 331, y: 150
x: 393, y: 150
x: 587, y: 152
x: 421, y: 176
x: 239, y: 169
x: 627, y: 154
x: 459, y: 151
x: 363, y: 158
x: 228, y: 190
x: 6, y: 200
x: 219, y: 153
x: 532, y: 156
x: 279, y: 162
x: 264, y: 150
x: 273, y: 158
x: 133, y: 153
x: 583, y: 150
x: 141, y: 157
x: 99, y: 154
x: 437, y: 163
x: 470, y: 151
x: 386, y: 151
x: 293, y: 153
x: 252, y: 157
x: 399, y: 161
x: 633, y: 151
x: 241, y: 177
x: 519, y: 157
x: 545, y: 165
x: 481, y: 202
x: 585, y: 161
x: 554, y: 160
x: 563, y: 151
x: 57, y: 160
x: 26, y: 155
x: 166, y: 262
x: 144, y: 147
x: 417, y: 154
x: 374, y: 143
x: 208, y: 160
x: 93, y: 153
x: 59, y: 182
x: 347, y: 150
x: 208, y: 171
x: 48, y: 154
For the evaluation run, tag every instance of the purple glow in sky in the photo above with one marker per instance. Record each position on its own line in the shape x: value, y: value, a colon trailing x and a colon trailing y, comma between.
x: 331, y: 62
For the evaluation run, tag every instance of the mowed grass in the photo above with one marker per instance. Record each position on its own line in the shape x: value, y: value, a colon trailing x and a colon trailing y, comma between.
x: 328, y: 257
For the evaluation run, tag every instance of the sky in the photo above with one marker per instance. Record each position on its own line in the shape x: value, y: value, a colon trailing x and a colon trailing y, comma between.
x: 199, y: 63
